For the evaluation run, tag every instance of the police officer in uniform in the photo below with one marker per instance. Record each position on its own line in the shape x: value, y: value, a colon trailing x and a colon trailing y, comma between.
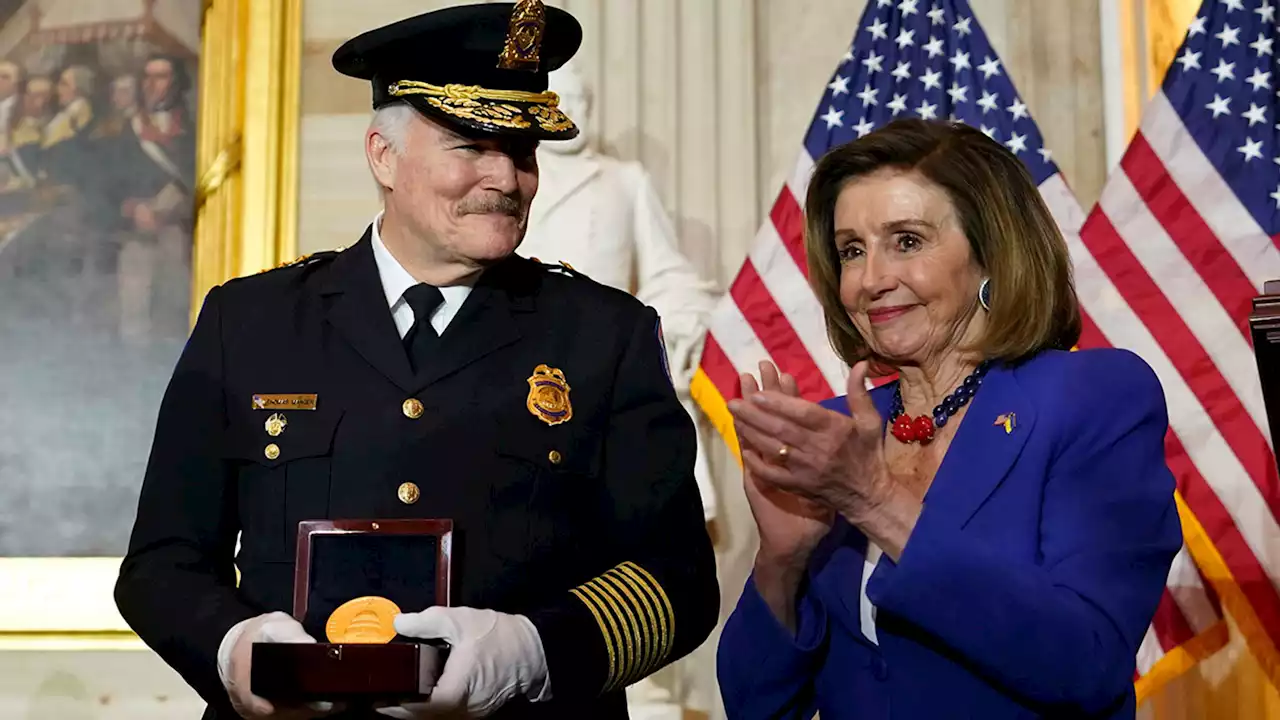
x: 427, y: 371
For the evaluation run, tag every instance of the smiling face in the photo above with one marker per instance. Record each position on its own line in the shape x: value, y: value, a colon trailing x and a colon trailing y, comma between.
x: 908, y: 277
x: 468, y: 197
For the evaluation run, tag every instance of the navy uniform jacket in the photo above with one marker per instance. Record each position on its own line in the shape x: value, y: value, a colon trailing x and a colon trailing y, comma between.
x: 592, y: 528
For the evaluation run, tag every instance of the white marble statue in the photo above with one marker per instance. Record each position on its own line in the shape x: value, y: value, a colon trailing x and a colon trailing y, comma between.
x: 603, y: 217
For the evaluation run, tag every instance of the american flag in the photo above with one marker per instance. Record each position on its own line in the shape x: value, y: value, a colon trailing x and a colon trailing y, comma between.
x: 931, y: 59
x: 1167, y: 264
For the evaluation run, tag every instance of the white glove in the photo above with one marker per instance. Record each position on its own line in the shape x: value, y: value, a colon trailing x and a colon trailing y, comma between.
x: 494, y: 657
x: 235, y: 655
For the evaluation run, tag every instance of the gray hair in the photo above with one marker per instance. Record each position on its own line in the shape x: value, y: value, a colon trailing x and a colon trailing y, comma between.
x: 392, y: 122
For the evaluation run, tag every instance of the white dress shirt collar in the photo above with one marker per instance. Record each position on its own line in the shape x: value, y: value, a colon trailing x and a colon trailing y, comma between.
x: 395, y: 280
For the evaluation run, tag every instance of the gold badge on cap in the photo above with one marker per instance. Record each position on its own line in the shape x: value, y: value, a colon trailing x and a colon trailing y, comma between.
x: 549, y: 395
x: 276, y: 424
x: 524, y: 36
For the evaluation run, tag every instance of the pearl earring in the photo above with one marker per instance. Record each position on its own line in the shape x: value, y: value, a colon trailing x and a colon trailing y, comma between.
x: 984, y: 294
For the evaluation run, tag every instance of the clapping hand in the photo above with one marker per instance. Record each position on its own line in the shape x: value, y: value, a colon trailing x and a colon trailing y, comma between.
x: 830, y: 460
x: 790, y: 524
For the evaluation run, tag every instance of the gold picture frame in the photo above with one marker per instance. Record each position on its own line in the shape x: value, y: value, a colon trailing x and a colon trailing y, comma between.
x: 246, y: 221
x: 1150, y: 32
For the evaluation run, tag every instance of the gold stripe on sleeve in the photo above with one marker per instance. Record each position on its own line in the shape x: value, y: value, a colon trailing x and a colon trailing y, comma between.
x: 627, y: 629
x: 635, y: 618
x: 661, y: 604
x: 604, y: 629
x: 648, y: 621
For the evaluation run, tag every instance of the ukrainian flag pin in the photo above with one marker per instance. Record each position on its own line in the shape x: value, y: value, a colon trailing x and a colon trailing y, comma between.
x: 1008, y: 420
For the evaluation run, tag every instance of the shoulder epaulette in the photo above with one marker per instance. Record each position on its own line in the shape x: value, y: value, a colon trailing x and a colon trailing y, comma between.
x: 307, y: 259
x: 563, y: 268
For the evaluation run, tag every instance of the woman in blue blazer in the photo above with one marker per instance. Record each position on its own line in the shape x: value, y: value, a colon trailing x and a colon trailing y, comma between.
x: 986, y: 536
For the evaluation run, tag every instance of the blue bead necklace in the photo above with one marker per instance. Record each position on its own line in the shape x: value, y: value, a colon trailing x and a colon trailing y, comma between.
x: 921, y: 429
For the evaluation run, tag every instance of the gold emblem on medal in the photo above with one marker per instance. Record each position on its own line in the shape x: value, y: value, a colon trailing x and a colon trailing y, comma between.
x: 366, y: 620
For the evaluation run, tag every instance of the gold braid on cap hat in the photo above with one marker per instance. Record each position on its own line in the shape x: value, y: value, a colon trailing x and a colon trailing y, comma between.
x: 486, y: 105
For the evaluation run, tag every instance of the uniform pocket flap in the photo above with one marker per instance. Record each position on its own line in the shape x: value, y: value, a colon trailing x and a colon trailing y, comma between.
x: 275, y: 438
x: 555, y: 448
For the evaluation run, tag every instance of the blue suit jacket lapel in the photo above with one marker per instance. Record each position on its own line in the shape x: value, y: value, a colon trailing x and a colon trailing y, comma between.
x: 977, y: 461
x: 982, y: 451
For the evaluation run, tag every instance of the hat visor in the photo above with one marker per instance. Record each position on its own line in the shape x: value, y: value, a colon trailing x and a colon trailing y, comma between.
x: 509, y: 118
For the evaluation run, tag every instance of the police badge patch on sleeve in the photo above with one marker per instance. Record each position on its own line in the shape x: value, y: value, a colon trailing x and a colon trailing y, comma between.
x: 662, y: 351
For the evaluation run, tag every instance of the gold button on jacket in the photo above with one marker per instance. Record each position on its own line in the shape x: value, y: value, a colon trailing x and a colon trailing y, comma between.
x: 408, y: 493
x: 412, y: 408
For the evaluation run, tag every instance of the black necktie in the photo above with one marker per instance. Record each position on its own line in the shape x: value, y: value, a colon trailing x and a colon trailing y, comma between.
x: 421, y: 339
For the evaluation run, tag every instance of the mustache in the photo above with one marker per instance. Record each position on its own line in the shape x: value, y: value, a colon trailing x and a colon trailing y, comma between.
x: 502, y: 204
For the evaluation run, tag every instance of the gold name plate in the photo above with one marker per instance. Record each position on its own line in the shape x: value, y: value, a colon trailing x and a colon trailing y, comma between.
x: 284, y: 401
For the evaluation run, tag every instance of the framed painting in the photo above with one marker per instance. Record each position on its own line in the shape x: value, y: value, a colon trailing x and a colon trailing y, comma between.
x: 148, y: 151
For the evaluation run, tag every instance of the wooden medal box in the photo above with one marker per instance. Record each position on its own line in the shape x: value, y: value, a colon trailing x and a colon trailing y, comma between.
x: 405, y: 561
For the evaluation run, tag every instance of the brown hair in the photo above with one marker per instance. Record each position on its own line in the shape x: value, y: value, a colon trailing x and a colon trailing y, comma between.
x: 1011, y: 232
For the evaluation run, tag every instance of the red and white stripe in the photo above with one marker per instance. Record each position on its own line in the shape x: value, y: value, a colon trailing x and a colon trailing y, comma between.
x: 770, y: 311
x: 1167, y: 265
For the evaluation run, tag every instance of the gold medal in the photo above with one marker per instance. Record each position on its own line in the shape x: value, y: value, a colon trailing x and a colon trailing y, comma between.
x: 364, y: 620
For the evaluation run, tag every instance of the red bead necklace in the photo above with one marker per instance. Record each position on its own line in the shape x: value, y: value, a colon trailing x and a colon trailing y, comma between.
x: 922, y: 428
